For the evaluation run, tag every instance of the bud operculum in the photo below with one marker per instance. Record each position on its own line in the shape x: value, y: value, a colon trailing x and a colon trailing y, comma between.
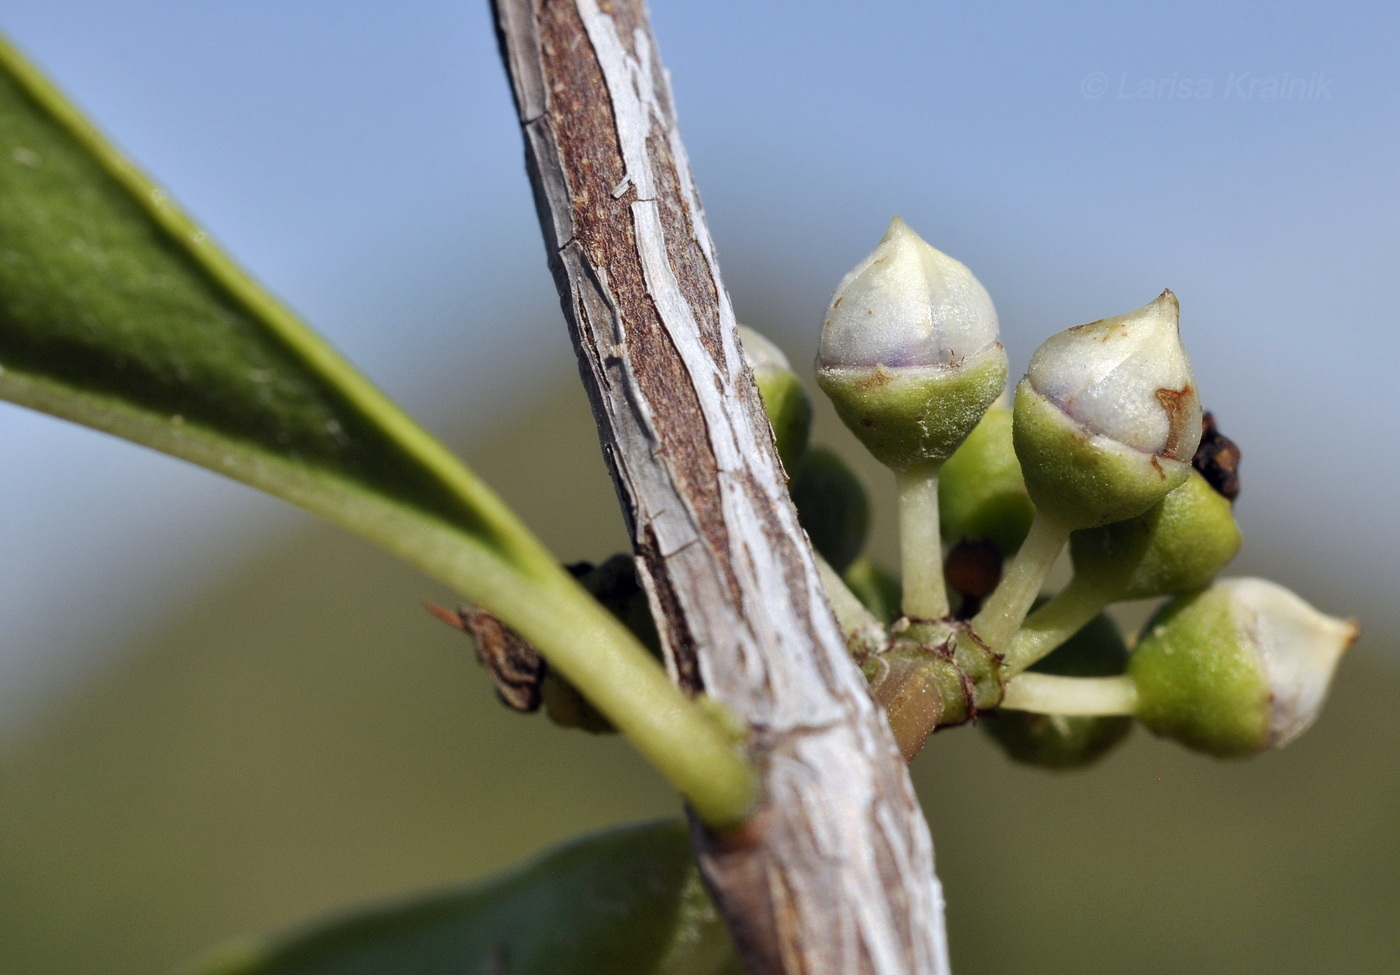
x: 1299, y: 649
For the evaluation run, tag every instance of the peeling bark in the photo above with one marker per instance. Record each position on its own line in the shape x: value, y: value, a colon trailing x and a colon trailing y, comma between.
x: 834, y: 874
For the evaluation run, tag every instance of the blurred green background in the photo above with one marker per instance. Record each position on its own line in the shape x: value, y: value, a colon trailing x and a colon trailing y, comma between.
x: 304, y: 736
x: 217, y: 717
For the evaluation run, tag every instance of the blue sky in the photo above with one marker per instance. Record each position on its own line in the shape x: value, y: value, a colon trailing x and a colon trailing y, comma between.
x: 362, y: 160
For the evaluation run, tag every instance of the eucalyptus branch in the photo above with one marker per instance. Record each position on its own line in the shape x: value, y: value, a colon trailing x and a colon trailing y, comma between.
x: 732, y: 581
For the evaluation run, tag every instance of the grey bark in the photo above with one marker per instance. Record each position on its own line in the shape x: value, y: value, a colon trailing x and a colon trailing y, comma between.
x: 834, y: 874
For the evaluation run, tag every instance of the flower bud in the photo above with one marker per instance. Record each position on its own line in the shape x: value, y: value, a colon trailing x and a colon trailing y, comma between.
x: 832, y: 506
x: 909, y: 351
x: 1107, y: 418
x: 785, y: 399
x: 879, y: 591
x: 1062, y: 741
x: 981, y: 494
x: 1178, y: 544
x: 567, y: 708
x: 1236, y: 668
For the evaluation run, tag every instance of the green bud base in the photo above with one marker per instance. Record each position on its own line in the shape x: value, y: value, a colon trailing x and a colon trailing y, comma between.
x: 1177, y: 545
x: 1080, y: 479
x: 1197, y: 682
x: 908, y: 415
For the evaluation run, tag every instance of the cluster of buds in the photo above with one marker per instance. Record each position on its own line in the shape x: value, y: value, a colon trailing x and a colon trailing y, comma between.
x: 1098, y: 451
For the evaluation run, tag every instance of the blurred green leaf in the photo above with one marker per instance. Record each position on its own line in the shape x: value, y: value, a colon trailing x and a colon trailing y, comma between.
x: 625, y: 902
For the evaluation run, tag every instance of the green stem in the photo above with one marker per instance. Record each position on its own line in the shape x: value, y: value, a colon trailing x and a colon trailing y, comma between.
x: 1078, y: 696
x: 864, y: 633
x: 920, y: 548
x: 1002, y: 613
x: 600, y: 657
x: 518, y: 580
x: 1054, y: 623
x: 400, y: 487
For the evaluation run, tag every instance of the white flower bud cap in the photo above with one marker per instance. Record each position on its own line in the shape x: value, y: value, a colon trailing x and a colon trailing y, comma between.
x: 1126, y: 378
x: 1298, y: 649
x: 907, y: 304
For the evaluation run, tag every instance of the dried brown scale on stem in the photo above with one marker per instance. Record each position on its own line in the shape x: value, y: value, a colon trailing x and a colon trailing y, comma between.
x: 933, y: 675
x: 1218, y: 459
x: 522, y: 677
x: 836, y: 876
x: 516, y: 669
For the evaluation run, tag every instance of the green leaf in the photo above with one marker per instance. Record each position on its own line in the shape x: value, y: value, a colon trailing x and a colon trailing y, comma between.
x: 628, y: 901
x: 118, y: 312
